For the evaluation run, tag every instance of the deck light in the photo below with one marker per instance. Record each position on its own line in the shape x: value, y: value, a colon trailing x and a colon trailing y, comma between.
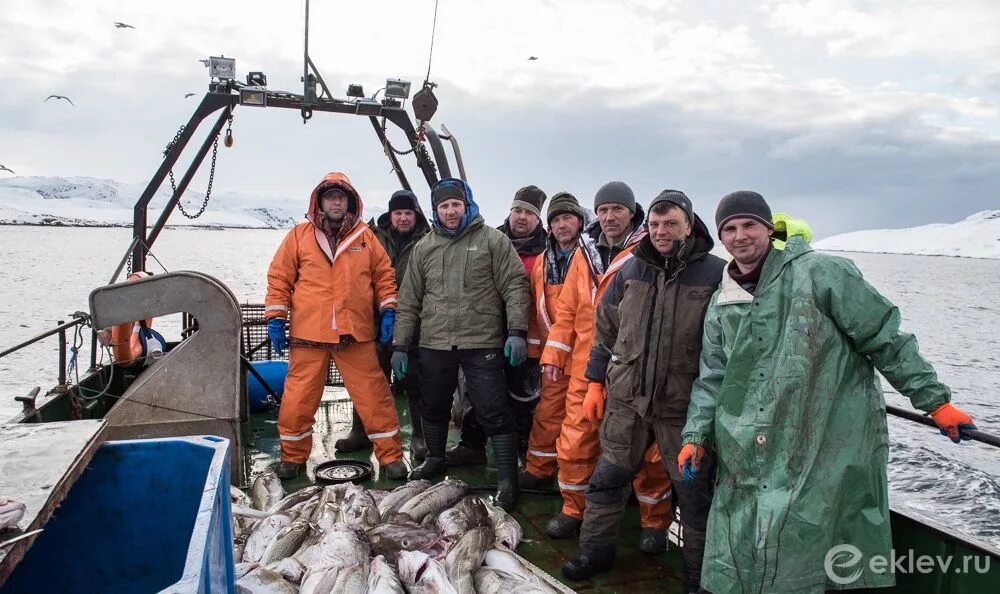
x: 355, y: 91
x: 397, y: 89
x: 367, y: 107
x: 253, y: 96
x: 257, y: 79
x: 222, y: 68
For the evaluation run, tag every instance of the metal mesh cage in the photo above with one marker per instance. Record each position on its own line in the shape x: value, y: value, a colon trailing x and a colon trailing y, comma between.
x: 257, y: 347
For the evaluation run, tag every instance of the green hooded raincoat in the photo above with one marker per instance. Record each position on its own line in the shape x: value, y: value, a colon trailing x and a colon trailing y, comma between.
x: 788, y: 396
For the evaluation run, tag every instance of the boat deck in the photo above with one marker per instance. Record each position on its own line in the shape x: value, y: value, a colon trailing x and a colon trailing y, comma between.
x: 635, y: 571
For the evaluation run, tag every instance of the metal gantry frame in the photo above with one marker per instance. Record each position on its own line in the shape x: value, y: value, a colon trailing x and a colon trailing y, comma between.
x: 224, y: 96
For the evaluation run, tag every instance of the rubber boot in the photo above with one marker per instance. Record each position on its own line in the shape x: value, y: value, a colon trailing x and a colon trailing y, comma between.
x: 563, y: 526
x: 356, y: 440
x: 288, y: 470
x: 526, y: 480
x: 463, y: 455
x: 418, y: 447
x: 590, y: 561
x: 505, y: 455
x: 434, y: 465
x: 653, y: 540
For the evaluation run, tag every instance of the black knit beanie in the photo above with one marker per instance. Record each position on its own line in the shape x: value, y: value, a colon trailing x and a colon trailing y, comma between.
x: 615, y: 192
x: 403, y: 200
x: 739, y: 204
x: 675, y: 197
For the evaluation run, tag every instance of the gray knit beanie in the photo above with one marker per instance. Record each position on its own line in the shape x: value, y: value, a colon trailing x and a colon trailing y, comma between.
x: 742, y: 204
x: 615, y: 192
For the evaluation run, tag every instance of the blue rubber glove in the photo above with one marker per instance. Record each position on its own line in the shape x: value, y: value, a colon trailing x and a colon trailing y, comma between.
x: 387, y: 323
x: 276, y: 332
x: 516, y: 350
x: 400, y: 361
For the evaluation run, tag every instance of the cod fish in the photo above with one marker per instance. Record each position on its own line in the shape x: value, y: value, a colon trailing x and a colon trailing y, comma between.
x: 289, y: 501
x: 329, y: 580
x: 507, y: 529
x: 422, y: 575
x: 382, y: 578
x: 340, y: 546
x: 400, y: 495
x: 497, y: 581
x: 432, y: 501
x: 290, y: 569
x: 468, y: 513
x: 264, y: 581
x: 389, y: 539
x: 286, y: 542
x: 510, y: 563
x: 266, y: 491
x: 263, y: 534
x: 466, y: 556
x: 11, y: 513
x: 359, y: 508
x: 238, y: 497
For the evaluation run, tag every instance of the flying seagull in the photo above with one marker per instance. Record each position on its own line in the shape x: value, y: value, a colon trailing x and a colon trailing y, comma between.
x: 60, y: 97
x: 123, y: 25
x: 5, y: 168
x: 532, y: 58
x: 186, y: 95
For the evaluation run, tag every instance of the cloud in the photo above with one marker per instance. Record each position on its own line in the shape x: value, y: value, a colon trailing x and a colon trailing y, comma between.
x: 654, y: 93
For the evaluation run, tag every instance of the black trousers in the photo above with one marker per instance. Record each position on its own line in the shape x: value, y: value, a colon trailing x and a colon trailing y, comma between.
x: 485, y: 381
x: 524, y: 384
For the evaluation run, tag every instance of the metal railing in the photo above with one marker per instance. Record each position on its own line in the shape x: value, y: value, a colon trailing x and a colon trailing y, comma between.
x: 60, y: 330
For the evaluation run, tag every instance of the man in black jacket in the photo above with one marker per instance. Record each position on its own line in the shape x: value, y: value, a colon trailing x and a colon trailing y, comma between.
x: 642, y: 367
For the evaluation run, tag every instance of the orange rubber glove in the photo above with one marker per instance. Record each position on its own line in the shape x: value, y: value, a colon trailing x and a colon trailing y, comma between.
x: 689, y: 461
x: 593, y: 402
x: 951, y: 420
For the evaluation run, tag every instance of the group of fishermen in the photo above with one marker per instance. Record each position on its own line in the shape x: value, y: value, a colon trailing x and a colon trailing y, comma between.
x: 616, y: 355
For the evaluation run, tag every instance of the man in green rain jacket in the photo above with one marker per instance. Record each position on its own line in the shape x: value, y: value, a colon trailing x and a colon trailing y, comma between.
x: 788, y: 398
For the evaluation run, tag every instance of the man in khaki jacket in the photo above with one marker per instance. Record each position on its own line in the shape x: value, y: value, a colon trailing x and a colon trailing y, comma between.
x: 462, y: 281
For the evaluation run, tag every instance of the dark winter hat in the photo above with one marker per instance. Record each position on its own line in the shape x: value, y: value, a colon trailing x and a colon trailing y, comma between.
x: 675, y: 197
x: 352, y: 200
x: 615, y: 192
x: 444, y: 191
x: 530, y: 198
x: 739, y: 204
x: 403, y: 200
x: 563, y: 203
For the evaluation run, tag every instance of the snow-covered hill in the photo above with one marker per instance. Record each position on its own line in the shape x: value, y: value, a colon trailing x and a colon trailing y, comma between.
x: 85, y: 201
x: 978, y: 236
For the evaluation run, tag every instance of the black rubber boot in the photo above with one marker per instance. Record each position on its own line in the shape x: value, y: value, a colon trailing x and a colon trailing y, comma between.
x: 434, y: 464
x: 653, y: 540
x: 418, y: 447
x: 463, y: 455
x: 526, y: 480
x: 288, y: 470
x: 505, y: 455
x: 590, y: 561
x: 563, y: 526
x: 395, y: 470
x: 356, y: 440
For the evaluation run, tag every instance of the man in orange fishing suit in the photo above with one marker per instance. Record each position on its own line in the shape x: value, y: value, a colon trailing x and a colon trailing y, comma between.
x: 605, y: 246
x: 329, y: 273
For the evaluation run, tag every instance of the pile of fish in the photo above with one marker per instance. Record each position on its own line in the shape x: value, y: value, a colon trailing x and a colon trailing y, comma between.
x: 418, y: 538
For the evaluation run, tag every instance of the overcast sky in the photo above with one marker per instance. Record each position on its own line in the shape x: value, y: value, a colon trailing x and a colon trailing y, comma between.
x: 850, y: 113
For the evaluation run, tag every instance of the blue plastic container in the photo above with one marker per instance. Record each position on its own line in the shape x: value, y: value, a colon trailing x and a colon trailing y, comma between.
x: 274, y: 373
x: 147, y: 516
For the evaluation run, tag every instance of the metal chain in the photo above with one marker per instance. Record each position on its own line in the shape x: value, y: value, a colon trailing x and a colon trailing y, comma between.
x: 211, y: 172
x: 389, y: 144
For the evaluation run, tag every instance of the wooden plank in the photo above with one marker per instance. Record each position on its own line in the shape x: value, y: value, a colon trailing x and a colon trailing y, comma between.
x: 39, y: 463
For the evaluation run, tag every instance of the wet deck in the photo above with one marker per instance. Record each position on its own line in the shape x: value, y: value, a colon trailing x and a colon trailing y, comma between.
x: 635, y: 571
